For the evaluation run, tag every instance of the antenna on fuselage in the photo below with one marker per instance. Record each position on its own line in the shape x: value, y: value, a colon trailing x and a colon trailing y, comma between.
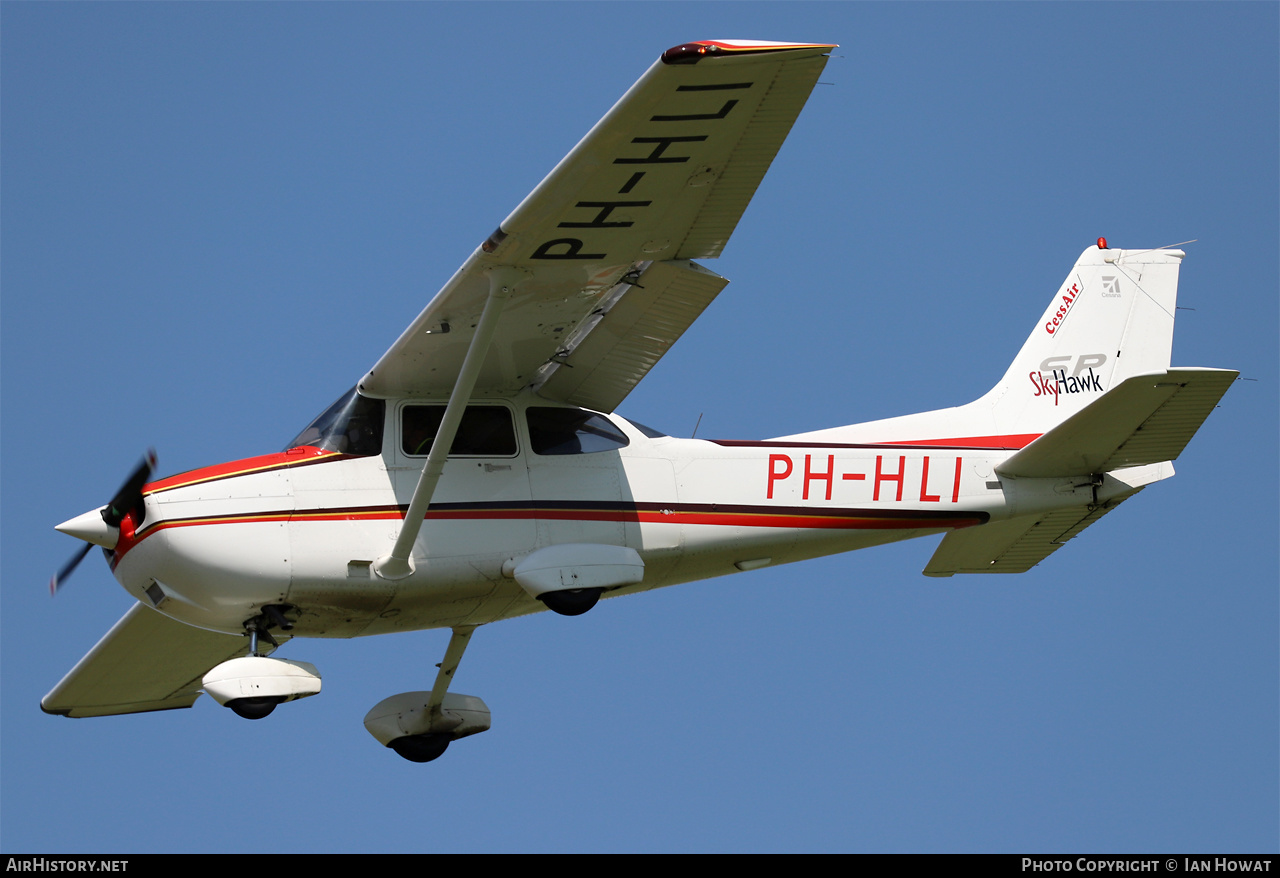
x: 695, y: 426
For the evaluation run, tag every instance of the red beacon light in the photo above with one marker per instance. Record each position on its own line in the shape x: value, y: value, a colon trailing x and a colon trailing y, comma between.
x: 1102, y: 244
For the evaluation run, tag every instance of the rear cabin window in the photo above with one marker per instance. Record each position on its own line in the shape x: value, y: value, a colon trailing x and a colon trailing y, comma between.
x: 647, y: 431
x: 572, y: 431
x: 485, y: 431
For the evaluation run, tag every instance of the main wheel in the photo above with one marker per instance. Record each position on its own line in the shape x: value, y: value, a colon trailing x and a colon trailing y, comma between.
x: 573, y: 602
x: 253, y: 708
x: 421, y: 748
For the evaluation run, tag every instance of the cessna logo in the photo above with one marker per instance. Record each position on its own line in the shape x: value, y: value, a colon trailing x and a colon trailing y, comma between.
x: 1060, y: 317
x: 1110, y: 286
x: 1081, y: 379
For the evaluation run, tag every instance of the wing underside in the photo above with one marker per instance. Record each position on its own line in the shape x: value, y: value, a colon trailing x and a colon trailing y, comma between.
x: 662, y: 179
x: 613, y: 349
x: 146, y: 662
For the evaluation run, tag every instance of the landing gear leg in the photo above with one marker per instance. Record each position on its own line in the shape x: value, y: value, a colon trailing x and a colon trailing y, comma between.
x: 440, y: 723
x: 259, y: 628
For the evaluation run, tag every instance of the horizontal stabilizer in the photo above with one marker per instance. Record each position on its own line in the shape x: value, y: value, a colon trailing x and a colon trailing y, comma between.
x: 1145, y: 419
x: 146, y: 662
x: 1015, y: 545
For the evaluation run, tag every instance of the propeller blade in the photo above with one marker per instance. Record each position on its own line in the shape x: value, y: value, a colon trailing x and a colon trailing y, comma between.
x: 61, y: 575
x: 130, y: 493
x: 128, y: 498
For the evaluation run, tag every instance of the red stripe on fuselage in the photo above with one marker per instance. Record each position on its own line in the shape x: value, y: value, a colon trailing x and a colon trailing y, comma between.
x: 676, y: 513
x: 300, y: 456
x: 1001, y: 443
x: 996, y: 443
x: 723, y: 516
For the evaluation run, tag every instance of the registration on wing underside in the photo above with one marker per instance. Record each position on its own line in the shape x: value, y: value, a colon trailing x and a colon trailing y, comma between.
x: 664, y: 176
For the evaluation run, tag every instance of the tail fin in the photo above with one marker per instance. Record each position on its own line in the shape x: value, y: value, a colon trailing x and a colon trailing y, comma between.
x: 1111, y: 319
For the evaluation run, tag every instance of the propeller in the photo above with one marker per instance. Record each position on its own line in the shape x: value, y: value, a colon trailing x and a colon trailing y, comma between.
x: 101, y: 527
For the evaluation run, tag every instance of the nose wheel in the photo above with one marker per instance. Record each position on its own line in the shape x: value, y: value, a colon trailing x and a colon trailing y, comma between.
x: 259, y: 627
x: 252, y: 685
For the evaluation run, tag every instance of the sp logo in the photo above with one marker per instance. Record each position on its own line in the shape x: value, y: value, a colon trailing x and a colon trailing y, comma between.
x: 1083, y: 362
x: 1057, y: 376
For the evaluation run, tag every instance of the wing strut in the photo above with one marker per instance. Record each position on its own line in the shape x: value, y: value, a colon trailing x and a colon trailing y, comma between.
x: 398, y: 564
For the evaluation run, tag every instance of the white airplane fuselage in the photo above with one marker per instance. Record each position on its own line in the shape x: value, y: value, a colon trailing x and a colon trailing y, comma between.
x: 304, y: 527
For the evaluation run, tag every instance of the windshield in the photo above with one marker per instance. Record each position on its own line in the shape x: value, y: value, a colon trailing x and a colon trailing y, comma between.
x: 352, y: 425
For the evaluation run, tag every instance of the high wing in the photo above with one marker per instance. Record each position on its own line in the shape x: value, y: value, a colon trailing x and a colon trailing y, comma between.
x: 146, y: 662
x: 603, y: 243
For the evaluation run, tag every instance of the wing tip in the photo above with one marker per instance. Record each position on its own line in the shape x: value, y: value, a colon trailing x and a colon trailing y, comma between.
x: 54, y: 711
x: 692, y: 53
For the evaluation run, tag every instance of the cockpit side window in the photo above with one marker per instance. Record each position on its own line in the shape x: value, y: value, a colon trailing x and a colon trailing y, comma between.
x: 572, y: 431
x: 485, y: 431
x: 352, y: 425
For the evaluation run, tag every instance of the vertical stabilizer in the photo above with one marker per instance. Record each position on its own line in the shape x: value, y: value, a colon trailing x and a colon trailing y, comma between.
x: 1111, y: 319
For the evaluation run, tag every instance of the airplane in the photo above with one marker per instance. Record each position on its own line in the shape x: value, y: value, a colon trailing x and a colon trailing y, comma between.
x: 479, y: 471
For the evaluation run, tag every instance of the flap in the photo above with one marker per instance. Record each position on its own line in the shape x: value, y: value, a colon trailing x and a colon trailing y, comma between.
x: 618, y: 345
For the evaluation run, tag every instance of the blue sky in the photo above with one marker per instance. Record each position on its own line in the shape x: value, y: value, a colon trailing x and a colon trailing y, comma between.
x: 214, y: 218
